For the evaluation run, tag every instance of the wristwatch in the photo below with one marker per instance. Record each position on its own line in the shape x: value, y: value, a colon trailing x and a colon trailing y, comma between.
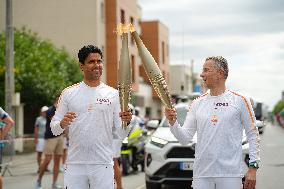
x: 253, y: 164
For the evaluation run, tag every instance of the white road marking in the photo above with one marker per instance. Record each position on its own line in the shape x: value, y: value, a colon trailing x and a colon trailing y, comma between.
x: 141, y: 187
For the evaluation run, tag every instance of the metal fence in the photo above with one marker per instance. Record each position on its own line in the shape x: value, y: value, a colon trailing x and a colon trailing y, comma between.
x: 6, y: 154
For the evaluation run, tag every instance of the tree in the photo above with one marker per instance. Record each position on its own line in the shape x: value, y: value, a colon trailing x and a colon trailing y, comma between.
x: 41, y: 70
x: 278, y: 107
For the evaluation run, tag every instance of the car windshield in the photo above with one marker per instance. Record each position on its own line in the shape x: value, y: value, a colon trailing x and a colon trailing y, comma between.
x: 181, y: 115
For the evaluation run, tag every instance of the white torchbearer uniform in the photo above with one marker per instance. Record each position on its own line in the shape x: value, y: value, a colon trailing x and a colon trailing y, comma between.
x: 219, y: 122
x: 90, y: 152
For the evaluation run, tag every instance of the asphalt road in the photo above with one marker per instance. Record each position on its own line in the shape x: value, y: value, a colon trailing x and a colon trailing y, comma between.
x: 270, y: 174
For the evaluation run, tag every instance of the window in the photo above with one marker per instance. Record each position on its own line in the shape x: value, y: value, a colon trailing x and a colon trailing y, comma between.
x: 163, y: 52
x: 102, y: 11
x: 132, y: 22
x: 148, y: 112
x: 133, y: 67
x: 122, y: 16
x: 103, y: 50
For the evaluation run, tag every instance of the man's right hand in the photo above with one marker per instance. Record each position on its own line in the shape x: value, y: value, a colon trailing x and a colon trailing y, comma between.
x: 171, y: 115
x: 68, y: 119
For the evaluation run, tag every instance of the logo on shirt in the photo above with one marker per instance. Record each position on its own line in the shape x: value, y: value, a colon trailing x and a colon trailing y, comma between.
x: 105, y: 101
x: 90, y: 107
x: 214, y: 120
x: 220, y: 104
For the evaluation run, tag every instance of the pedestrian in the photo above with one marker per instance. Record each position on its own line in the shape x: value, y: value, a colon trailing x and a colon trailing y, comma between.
x: 39, y: 131
x: 8, y: 123
x: 140, y: 120
x: 90, y: 109
x: 219, y: 117
x: 53, y: 147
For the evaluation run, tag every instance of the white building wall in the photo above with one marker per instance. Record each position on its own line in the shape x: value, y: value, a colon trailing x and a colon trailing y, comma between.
x: 180, y: 75
x: 145, y: 91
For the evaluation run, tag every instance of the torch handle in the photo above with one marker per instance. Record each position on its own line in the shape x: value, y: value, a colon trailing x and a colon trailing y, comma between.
x: 124, y: 125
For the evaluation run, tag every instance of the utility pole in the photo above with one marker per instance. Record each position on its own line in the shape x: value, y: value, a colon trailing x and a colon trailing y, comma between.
x: 9, y: 59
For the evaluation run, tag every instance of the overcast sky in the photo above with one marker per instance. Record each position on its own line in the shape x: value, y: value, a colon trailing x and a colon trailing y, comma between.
x: 248, y: 33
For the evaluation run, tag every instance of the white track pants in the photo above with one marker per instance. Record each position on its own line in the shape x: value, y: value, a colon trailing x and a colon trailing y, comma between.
x: 217, y: 183
x: 88, y: 176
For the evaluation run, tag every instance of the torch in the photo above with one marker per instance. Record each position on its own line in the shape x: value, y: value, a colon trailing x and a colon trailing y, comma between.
x: 124, y: 71
x: 153, y: 72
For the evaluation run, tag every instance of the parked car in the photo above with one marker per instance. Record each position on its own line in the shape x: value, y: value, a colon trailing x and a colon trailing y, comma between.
x: 166, y: 160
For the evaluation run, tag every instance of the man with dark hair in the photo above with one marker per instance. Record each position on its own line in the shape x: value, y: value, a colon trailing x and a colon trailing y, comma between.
x: 8, y: 123
x: 219, y: 117
x: 86, y: 50
x: 91, y: 112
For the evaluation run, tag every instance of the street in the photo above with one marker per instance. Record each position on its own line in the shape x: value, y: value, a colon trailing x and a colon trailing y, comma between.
x: 269, y: 176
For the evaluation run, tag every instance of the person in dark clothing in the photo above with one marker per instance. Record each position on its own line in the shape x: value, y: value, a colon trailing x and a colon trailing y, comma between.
x: 53, y: 146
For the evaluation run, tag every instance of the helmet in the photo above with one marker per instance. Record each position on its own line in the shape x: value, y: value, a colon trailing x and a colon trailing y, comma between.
x: 136, y: 111
x: 131, y: 107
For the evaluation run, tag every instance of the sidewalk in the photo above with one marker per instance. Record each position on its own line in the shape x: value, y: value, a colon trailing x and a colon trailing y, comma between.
x: 24, y: 173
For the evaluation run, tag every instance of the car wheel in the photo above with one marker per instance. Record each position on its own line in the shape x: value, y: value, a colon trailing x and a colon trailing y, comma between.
x: 125, y: 163
x: 150, y: 185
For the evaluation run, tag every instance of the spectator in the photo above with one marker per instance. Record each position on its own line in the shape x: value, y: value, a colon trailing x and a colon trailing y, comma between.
x: 39, y: 132
x: 53, y: 146
x: 8, y: 124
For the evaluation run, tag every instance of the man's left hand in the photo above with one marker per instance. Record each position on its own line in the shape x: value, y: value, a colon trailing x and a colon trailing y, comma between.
x: 250, y: 181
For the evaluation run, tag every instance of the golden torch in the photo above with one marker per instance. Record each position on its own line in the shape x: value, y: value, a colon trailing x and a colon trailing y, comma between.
x: 153, y: 72
x: 124, y: 71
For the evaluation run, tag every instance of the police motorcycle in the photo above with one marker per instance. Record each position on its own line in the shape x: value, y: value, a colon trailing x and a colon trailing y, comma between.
x: 132, y: 150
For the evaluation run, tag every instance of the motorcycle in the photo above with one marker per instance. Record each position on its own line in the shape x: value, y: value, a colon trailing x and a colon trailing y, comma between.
x: 132, y: 150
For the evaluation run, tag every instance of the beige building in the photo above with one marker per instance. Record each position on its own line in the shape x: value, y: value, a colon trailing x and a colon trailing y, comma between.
x: 66, y: 23
x: 72, y: 24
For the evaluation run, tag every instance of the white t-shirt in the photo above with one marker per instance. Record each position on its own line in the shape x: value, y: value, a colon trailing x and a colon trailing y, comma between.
x: 219, y: 122
x: 91, y: 133
x: 3, y: 114
x: 41, y: 124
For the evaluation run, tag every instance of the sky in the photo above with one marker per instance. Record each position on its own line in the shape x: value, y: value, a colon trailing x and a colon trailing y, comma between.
x: 249, y: 34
